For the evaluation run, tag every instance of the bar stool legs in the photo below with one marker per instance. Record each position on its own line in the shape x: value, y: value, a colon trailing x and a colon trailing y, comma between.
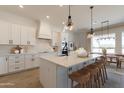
x: 90, y: 76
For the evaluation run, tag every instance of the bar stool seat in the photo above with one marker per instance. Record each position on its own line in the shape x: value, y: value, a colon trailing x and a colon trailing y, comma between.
x: 93, y: 69
x: 81, y: 79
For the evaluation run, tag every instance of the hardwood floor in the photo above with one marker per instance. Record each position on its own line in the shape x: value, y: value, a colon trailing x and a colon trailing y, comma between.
x: 25, y: 79
x: 30, y: 79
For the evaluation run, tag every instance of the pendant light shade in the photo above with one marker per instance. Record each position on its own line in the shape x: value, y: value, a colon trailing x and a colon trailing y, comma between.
x: 69, y: 24
x: 91, y: 33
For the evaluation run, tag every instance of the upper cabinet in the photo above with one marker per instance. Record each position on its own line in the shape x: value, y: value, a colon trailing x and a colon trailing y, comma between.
x: 4, y: 35
x: 24, y: 33
x: 16, y: 34
x: 45, y: 30
x: 31, y: 36
x: 27, y: 35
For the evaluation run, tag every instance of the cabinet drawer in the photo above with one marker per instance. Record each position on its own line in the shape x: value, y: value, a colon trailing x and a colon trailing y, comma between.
x: 17, y: 58
x: 16, y: 62
x: 17, y: 67
x: 11, y: 58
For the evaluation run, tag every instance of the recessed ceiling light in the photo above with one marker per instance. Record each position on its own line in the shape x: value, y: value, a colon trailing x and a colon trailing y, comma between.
x: 21, y: 6
x: 48, y: 17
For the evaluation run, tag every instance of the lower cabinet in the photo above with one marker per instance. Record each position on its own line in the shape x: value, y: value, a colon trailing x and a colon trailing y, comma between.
x: 36, y: 60
x: 31, y: 61
x: 3, y: 65
x: 47, y: 71
x: 28, y: 61
x: 14, y: 63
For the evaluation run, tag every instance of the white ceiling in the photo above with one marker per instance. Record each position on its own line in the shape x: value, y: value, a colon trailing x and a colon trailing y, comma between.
x: 80, y: 14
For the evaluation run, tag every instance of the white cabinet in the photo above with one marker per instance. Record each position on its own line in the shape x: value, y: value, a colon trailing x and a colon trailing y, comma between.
x: 27, y: 35
x: 31, y: 36
x: 24, y: 32
x: 47, y: 74
x: 16, y: 63
x: 36, y: 60
x: 28, y: 61
x: 15, y: 34
x: 4, y: 32
x: 45, y: 30
x: 31, y: 61
x: 3, y: 65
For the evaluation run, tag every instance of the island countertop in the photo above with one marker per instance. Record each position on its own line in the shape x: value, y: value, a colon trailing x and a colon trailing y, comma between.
x: 67, y: 61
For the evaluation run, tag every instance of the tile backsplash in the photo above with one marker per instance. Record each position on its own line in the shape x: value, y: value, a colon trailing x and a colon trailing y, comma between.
x: 41, y: 45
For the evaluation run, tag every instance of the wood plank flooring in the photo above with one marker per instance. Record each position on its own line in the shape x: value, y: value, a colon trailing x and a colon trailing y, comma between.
x: 25, y: 79
x: 30, y: 79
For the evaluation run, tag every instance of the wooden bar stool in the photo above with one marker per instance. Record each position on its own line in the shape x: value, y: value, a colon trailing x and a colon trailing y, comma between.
x: 102, y: 70
x: 93, y: 69
x: 81, y: 78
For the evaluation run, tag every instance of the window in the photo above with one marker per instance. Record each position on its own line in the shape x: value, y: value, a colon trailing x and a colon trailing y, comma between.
x: 122, y: 42
x: 98, y: 43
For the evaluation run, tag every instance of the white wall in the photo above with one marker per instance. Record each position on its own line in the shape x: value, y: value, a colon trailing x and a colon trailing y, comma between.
x: 80, y: 39
x: 41, y: 45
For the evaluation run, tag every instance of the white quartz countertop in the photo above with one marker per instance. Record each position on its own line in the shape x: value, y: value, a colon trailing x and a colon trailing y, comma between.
x: 67, y: 61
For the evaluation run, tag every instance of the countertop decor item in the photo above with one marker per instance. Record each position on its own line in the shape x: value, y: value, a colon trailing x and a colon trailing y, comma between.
x: 81, y: 52
x: 16, y: 50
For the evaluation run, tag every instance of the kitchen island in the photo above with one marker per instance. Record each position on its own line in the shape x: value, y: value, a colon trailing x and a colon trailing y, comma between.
x: 54, y: 69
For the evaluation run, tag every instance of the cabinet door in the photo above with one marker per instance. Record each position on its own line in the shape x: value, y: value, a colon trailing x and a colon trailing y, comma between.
x: 11, y: 63
x: 28, y: 61
x: 3, y: 65
x: 24, y: 32
x: 4, y: 35
x: 31, y: 36
x: 48, y: 74
x: 36, y: 60
x: 15, y: 34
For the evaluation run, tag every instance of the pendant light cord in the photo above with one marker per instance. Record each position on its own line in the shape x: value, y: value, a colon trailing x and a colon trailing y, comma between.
x: 91, y: 17
x: 69, y: 10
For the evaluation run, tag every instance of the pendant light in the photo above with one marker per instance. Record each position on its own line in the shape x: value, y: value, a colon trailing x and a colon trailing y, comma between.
x: 69, y: 24
x: 90, y: 35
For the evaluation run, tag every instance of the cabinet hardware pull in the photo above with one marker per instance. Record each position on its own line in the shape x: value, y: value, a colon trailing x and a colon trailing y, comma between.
x: 10, y: 41
x: 6, y: 59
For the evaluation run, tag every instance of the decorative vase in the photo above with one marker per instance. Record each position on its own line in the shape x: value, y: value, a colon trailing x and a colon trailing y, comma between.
x: 104, y: 51
x: 81, y: 52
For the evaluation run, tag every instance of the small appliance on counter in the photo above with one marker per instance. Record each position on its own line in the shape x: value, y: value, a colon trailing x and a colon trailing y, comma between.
x: 65, y: 49
x: 16, y: 50
x: 71, y: 46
